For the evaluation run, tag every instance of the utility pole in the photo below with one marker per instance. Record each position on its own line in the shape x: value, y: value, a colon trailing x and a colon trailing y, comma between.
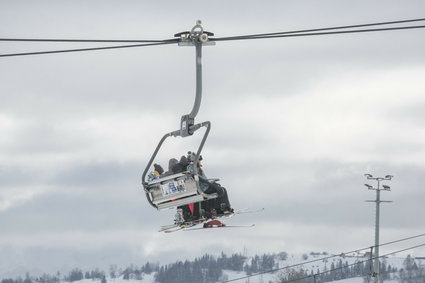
x: 378, y: 201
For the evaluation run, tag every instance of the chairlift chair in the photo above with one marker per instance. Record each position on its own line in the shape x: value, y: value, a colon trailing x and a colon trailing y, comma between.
x: 182, y: 188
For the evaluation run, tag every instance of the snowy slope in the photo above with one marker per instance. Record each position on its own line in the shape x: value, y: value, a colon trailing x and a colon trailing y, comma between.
x: 309, y: 263
x: 312, y: 263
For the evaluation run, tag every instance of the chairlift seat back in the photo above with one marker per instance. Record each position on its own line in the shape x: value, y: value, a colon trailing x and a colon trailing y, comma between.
x: 176, y: 190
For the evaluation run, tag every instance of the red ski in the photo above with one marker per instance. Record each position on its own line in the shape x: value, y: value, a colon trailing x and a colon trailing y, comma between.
x: 217, y: 224
x: 211, y: 222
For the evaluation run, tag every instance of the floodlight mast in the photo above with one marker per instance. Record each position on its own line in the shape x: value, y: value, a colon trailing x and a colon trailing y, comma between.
x: 378, y: 201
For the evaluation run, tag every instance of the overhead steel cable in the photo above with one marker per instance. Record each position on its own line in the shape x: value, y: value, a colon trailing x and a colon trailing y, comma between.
x: 401, y: 240
x: 222, y: 38
x: 329, y: 257
x: 352, y: 264
x: 87, y: 49
x: 322, y: 29
x: 313, y: 33
x: 323, y: 272
x: 298, y: 33
x: 87, y: 40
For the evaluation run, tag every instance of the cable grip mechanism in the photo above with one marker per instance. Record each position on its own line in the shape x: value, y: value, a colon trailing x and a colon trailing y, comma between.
x: 195, y: 36
x: 197, y: 30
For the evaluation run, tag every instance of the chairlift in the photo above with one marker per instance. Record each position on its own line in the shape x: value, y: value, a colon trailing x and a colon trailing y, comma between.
x: 182, y: 188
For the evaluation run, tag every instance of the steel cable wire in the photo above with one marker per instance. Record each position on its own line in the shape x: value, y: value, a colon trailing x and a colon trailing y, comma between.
x: 290, y: 34
x: 329, y: 257
x: 297, y: 33
x: 87, y: 49
x: 328, y: 28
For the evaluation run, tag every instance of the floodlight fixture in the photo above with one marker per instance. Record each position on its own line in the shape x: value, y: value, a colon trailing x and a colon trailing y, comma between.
x: 368, y: 175
x: 386, y: 187
x: 368, y: 186
x: 389, y: 177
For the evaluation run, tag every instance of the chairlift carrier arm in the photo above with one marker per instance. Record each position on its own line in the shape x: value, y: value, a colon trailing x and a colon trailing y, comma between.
x: 196, y: 37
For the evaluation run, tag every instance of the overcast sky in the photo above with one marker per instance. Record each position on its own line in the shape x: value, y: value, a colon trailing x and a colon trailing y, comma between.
x: 296, y: 122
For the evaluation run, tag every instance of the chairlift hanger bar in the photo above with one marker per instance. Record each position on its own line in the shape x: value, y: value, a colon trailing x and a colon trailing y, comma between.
x: 196, y: 37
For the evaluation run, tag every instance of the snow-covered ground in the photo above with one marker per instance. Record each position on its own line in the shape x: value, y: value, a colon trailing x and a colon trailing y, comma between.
x: 262, y: 278
x: 228, y: 275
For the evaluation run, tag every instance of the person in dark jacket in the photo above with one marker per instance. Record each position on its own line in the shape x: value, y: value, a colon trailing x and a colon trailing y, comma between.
x: 221, y: 204
x: 181, y: 166
x: 171, y: 163
x: 208, y: 208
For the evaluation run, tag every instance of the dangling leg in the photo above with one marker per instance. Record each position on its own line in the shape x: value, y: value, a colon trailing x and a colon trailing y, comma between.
x: 223, y: 204
x: 203, y: 209
x: 186, y: 212
x: 178, y: 217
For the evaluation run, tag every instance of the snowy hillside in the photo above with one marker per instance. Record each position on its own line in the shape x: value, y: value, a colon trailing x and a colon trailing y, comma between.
x: 325, y: 267
x: 240, y: 268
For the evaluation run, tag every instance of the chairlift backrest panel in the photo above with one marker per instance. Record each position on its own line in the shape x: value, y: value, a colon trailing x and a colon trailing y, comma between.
x: 181, y: 185
x: 175, y: 190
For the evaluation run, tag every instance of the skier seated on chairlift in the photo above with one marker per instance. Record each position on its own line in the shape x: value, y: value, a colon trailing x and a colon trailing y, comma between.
x: 171, y: 163
x: 212, y: 207
x: 156, y: 173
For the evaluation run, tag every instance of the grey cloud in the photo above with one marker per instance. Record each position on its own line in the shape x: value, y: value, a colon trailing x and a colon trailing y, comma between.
x: 87, y: 196
x: 60, y: 93
x: 99, y: 174
x: 16, y: 176
x: 334, y: 192
x: 140, y: 87
x: 92, y: 211
x: 43, y: 137
x: 411, y: 114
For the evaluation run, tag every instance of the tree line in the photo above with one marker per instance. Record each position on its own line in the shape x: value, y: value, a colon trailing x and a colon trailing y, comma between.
x: 209, y: 269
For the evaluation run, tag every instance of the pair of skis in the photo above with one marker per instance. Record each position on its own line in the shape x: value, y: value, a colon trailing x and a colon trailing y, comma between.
x: 208, y: 223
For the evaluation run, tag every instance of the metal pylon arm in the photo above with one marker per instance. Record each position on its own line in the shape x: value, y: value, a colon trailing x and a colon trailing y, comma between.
x: 198, y: 97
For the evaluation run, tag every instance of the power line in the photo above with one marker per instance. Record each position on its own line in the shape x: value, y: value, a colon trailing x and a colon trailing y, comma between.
x: 323, y: 29
x: 323, y: 272
x: 314, y: 33
x: 401, y: 240
x: 353, y: 264
x: 86, y: 49
x: 329, y: 257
